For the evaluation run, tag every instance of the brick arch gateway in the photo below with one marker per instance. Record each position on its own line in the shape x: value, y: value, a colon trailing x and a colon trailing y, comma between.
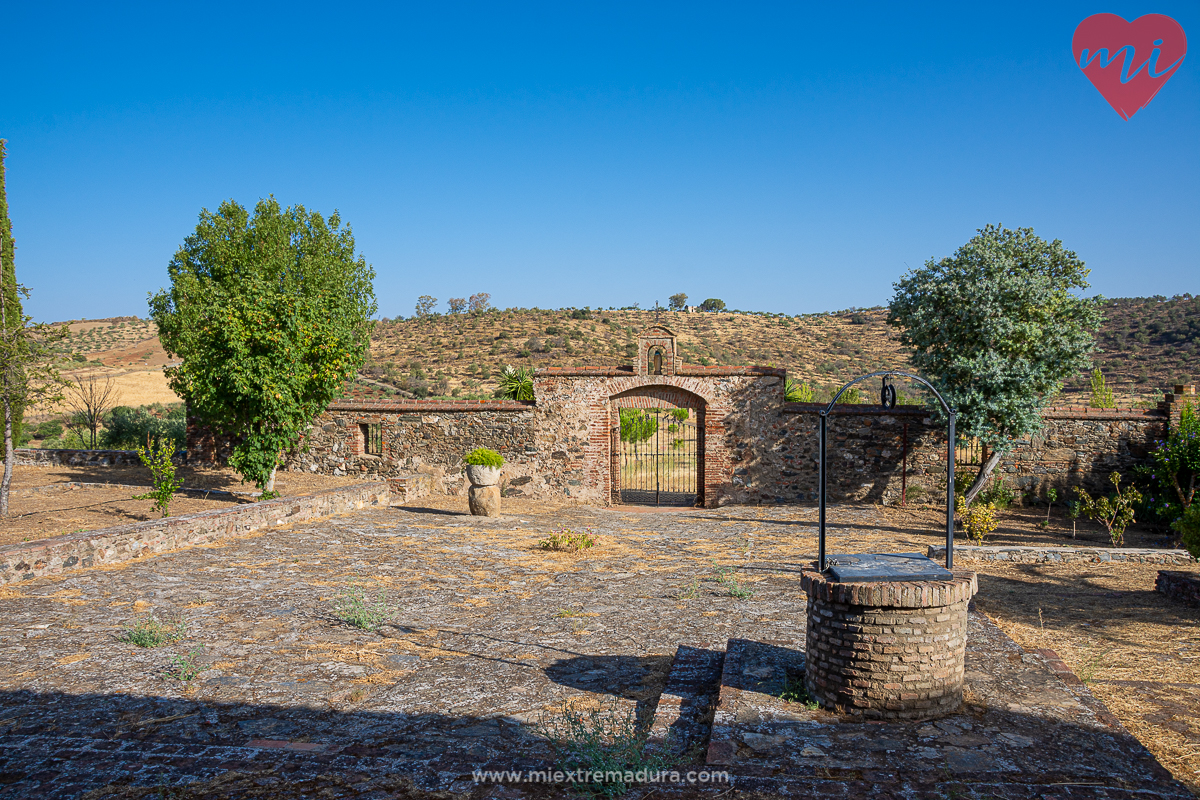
x: 656, y: 396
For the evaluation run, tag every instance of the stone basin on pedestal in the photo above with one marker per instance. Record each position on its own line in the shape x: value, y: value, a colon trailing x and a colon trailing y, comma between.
x: 886, y: 635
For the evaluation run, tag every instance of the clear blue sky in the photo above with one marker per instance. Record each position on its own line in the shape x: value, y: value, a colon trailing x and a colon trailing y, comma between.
x: 781, y: 157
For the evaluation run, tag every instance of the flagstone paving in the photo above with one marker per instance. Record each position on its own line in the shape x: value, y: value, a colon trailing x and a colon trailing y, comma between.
x: 486, y: 634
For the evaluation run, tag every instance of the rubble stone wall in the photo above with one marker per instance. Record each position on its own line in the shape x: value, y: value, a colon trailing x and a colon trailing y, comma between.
x: 754, y: 447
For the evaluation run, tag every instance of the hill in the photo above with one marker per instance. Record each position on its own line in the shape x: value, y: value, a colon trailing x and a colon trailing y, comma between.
x: 1146, y: 344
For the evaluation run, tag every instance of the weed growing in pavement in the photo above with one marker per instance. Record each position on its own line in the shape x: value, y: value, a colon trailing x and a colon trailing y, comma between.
x: 184, y: 667
x: 692, y: 591
x: 568, y: 541
x: 149, y: 632
x: 794, y: 691
x: 727, y: 577
x: 604, y: 740
x: 353, y: 607
x: 566, y: 613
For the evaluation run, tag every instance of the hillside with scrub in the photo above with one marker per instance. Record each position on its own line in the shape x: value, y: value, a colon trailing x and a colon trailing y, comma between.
x: 1145, y: 346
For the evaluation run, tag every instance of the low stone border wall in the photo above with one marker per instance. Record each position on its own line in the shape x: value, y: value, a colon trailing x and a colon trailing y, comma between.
x: 1181, y: 586
x: 27, y: 560
x: 1038, y: 555
x: 33, y: 456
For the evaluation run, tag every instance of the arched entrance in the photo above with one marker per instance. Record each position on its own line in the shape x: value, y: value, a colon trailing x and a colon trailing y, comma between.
x: 657, y: 447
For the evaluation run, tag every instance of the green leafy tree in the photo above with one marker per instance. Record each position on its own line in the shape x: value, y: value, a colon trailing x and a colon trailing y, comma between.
x: 677, y: 302
x: 712, y: 304
x: 271, y: 315
x: 425, y: 305
x: 27, y: 373
x: 157, y: 458
x: 637, y: 425
x: 8, y: 279
x: 997, y: 328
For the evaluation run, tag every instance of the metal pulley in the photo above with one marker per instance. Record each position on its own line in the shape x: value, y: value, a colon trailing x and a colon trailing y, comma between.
x: 887, y: 394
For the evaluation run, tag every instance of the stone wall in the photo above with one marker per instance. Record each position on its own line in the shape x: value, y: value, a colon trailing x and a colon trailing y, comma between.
x: 1178, y: 585
x: 1081, y: 447
x: 27, y: 560
x: 756, y: 448
x: 429, y: 437
x: 33, y: 456
x: 871, y: 454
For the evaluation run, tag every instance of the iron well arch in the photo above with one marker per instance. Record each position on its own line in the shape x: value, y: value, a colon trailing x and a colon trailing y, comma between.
x: 950, y: 413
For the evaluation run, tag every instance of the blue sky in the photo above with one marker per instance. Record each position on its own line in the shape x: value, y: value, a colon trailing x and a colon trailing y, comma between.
x: 784, y: 157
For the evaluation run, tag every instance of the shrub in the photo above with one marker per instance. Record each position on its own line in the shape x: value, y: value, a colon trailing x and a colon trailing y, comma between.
x: 798, y: 392
x: 568, y: 541
x: 1188, y: 528
x: 162, y: 474
x: 483, y: 457
x: 48, y: 430
x: 149, y: 632
x: 637, y: 425
x: 1102, y: 396
x: 1115, y: 512
x: 1170, y: 480
x: 126, y: 427
x: 353, y: 607
x: 602, y: 741
x: 979, y: 521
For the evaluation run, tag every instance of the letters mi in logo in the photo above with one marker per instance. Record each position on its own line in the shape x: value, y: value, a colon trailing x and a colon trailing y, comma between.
x: 1129, y: 61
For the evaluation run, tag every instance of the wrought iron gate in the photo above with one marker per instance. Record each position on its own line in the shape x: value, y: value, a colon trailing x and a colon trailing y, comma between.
x: 658, y: 461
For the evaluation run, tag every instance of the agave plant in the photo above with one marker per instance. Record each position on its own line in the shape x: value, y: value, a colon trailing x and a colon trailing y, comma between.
x: 517, y: 383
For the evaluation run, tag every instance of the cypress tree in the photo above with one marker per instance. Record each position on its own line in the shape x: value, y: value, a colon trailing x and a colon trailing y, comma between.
x: 8, y: 274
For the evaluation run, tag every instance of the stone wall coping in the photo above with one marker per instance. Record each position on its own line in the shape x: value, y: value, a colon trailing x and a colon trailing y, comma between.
x: 425, y: 406
x: 26, y: 560
x: 892, y: 594
x: 684, y: 371
x: 1030, y: 554
x: 921, y: 411
x: 860, y: 409
x: 1084, y: 412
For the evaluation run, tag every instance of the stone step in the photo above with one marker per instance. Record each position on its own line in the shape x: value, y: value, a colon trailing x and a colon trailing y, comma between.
x: 683, y: 715
x: 1028, y: 729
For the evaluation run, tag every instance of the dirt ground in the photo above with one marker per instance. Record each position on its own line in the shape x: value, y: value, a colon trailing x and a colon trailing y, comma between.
x: 43, y: 504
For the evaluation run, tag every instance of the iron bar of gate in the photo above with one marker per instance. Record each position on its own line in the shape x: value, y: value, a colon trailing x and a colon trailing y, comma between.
x: 950, y: 449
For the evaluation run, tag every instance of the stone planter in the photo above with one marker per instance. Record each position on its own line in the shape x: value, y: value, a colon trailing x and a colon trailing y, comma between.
x: 483, y: 476
x: 483, y: 498
x: 887, y: 649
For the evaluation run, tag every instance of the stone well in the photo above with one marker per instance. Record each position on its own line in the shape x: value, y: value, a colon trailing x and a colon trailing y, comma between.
x: 887, y: 649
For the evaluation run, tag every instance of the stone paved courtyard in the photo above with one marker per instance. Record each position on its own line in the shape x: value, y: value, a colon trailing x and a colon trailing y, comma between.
x: 489, y: 634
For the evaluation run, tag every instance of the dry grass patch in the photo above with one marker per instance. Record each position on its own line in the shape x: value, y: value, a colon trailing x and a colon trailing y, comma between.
x: 1137, y: 650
